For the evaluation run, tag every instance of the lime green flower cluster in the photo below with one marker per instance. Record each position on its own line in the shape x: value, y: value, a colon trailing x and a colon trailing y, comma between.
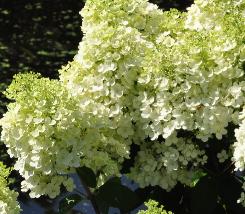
x: 8, y: 198
x: 153, y: 208
x: 35, y: 132
x: 140, y: 76
x: 51, y: 136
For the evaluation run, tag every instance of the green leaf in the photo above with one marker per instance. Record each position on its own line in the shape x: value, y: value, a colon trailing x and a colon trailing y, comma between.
x: 197, y: 176
x: 87, y: 176
x: 204, y: 196
x: 68, y: 203
x: 117, y: 195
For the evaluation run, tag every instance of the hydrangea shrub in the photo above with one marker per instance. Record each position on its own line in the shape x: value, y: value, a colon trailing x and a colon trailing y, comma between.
x: 141, y: 76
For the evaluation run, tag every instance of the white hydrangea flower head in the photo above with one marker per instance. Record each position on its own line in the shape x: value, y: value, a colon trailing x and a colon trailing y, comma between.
x: 36, y: 131
x: 166, y: 163
x: 50, y: 136
x: 200, y: 87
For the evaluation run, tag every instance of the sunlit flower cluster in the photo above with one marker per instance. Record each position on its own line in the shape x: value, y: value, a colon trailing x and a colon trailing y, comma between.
x: 8, y: 198
x: 140, y: 76
x: 200, y: 86
x: 154, y: 208
x: 50, y: 136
